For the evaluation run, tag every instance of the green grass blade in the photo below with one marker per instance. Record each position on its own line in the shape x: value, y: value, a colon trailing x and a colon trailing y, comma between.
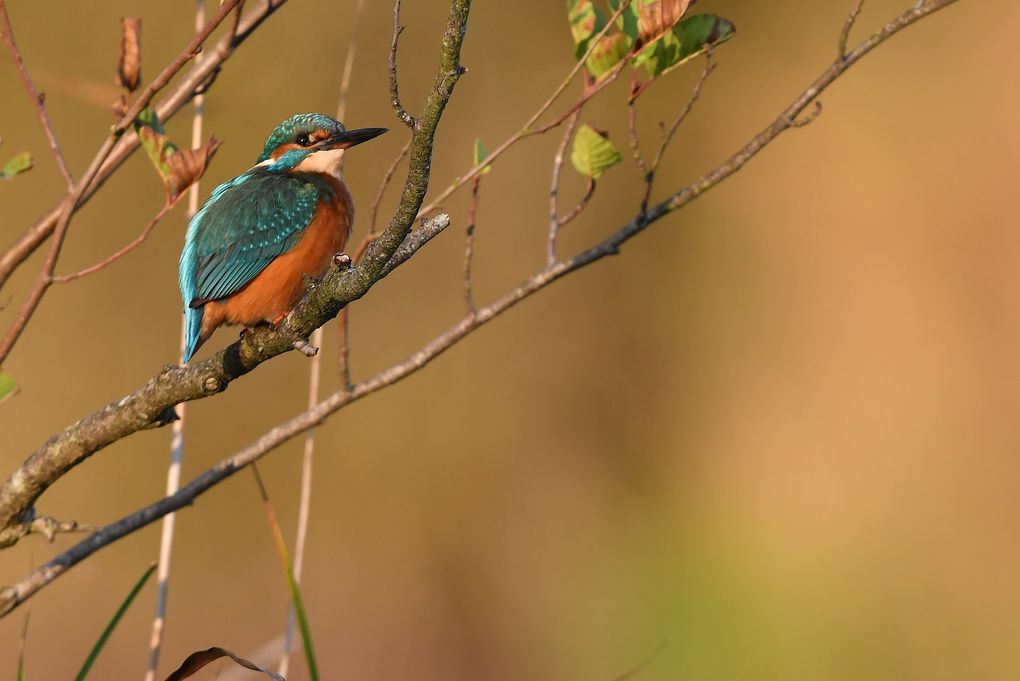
x: 21, y: 647
x: 295, y: 588
x: 96, y: 649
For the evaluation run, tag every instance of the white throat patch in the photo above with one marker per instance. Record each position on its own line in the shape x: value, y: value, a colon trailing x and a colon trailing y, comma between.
x: 327, y: 162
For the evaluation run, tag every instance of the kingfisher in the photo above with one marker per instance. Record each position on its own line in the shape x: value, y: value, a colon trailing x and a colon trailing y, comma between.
x: 248, y: 250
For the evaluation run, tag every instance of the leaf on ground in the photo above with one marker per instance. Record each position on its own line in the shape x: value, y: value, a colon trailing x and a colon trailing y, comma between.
x: 593, y: 153
x: 201, y: 658
x: 688, y: 39
x: 480, y: 154
x: 129, y: 66
x: 7, y: 385
x: 178, y: 168
x: 16, y: 165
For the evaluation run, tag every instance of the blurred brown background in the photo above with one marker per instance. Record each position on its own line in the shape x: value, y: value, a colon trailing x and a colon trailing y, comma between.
x: 778, y: 433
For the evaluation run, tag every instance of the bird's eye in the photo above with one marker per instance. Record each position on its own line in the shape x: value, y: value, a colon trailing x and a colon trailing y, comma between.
x: 303, y: 140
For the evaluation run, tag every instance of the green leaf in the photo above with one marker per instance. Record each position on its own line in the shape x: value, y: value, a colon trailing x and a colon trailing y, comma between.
x: 17, y: 165
x: 593, y: 154
x: 586, y: 20
x: 7, y: 385
x: 480, y: 154
x: 157, y: 145
x: 609, y: 52
x: 690, y: 38
x: 96, y: 649
x: 627, y: 22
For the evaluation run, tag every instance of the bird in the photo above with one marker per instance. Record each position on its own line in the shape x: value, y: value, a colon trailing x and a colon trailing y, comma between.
x: 249, y: 249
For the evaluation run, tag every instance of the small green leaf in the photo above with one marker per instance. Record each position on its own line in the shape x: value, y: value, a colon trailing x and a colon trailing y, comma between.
x: 7, y: 385
x: 690, y: 38
x: 609, y: 52
x: 593, y: 154
x: 627, y: 21
x: 157, y: 145
x: 96, y: 649
x: 17, y: 165
x: 586, y: 20
x: 480, y: 154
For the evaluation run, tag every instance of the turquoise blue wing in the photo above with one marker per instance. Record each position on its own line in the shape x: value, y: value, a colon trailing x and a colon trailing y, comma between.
x: 246, y: 224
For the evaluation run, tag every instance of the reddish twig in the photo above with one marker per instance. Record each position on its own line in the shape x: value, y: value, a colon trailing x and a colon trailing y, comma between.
x: 554, y: 190
x: 109, y: 260
x: 469, y: 245
x: 45, y: 278
x: 196, y: 81
x: 38, y: 98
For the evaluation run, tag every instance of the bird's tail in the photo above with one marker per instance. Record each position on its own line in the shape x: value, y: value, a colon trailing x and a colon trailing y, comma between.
x: 192, y: 331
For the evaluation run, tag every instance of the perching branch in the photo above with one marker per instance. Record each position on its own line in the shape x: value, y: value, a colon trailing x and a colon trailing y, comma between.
x: 152, y: 405
x: 142, y: 406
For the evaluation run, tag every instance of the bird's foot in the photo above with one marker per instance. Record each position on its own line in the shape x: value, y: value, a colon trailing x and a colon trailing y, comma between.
x: 306, y: 348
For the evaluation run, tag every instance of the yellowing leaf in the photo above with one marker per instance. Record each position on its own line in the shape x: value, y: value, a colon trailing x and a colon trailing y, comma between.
x: 480, y: 154
x: 586, y: 20
x: 16, y: 165
x: 593, y: 154
x: 610, y: 51
x: 178, y: 168
x: 7, y: 385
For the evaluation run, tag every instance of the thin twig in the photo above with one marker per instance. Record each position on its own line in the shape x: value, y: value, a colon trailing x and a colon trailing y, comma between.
x: 529, y: 129
x: 196, y: 80
x: 38, y: 98
x: 669, y: 133
x: 469, y: 245
x: 554, y: 189
x: 632, y: 129
x: 45, y: 277
x: 848, y: 26
x: 581, y: 204
x: 386, y: 179
x: 402, y: 114
x: 110, y: 259
x: 13, y: 596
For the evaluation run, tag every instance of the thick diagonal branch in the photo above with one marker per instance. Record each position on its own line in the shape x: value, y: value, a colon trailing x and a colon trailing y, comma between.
x: 152, y: 404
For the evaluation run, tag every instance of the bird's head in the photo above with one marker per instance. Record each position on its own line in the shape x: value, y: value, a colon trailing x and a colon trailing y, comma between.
x: 311, y: 142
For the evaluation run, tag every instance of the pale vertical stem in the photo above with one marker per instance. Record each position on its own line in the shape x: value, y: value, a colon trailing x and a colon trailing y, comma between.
x: 173, y: 474
x: 314, y: 378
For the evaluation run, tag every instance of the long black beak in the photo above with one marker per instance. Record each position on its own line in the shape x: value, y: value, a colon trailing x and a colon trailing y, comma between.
x: 351, y: 138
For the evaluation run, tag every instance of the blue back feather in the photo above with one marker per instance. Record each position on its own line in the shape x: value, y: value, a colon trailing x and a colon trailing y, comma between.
x: 246, y: 224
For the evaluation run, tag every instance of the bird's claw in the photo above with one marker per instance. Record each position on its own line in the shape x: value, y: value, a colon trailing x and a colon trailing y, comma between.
x: 341, y: 261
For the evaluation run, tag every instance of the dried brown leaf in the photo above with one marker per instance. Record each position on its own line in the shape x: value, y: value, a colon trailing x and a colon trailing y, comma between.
x: 129, y: 68
x: 201, y: 658
x: 188, y: 165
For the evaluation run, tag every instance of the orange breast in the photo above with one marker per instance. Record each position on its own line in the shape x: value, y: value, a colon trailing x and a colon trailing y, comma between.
x: 272, y: 294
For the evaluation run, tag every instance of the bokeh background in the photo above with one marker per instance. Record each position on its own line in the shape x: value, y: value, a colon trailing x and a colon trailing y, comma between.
x: 777, y: 436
